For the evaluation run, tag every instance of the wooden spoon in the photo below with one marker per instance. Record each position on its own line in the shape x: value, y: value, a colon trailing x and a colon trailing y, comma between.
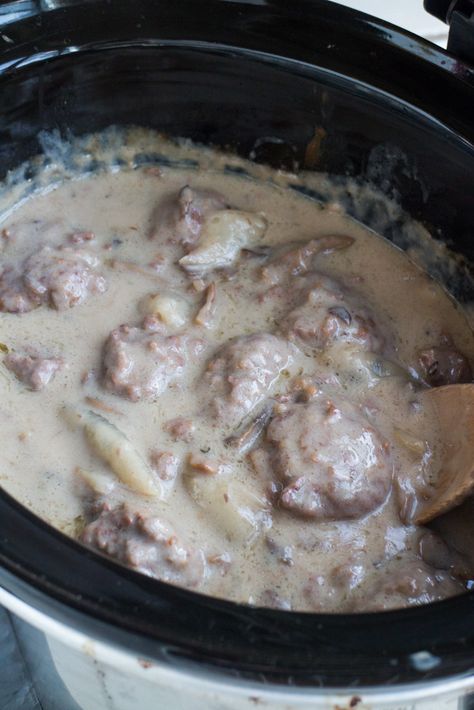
x: 454, y: 405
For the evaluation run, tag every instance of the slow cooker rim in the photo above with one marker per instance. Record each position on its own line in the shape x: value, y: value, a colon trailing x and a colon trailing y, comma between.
x: 26, y: 47
x: 122, y: 623
x: 259, y: 56
x: 124, y: 608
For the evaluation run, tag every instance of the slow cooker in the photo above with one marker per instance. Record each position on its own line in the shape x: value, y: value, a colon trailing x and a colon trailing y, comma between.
x: 258, y: 77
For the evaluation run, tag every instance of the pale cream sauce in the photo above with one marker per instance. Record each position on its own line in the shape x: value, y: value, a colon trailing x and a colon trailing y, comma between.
x: 40, y: 450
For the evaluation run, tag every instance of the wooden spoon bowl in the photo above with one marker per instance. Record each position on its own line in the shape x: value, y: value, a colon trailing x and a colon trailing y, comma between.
x: 454, y: 405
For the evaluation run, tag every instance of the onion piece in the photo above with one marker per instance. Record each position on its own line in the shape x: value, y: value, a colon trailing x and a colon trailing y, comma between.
x: 234, y: 509
x: 113, y: 447
x: 172, y: 309
x: 100, y: 483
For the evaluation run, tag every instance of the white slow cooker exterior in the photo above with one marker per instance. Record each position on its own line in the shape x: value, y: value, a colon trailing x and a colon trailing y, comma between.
x: 102, y: 677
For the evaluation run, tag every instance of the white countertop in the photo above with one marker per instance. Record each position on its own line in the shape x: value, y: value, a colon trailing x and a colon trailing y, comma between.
x: 404, y: 13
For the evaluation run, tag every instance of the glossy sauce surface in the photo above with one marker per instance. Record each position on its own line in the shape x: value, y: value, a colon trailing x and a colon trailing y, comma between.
x: 218, y: 381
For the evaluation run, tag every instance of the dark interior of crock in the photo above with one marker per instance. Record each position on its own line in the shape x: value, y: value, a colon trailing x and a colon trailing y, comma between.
x: 400, y: 118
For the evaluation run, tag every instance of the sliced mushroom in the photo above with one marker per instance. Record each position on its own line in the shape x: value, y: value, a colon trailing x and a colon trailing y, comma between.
x: 224, y: 235
x: 244, y: 439
x: 299, y: 257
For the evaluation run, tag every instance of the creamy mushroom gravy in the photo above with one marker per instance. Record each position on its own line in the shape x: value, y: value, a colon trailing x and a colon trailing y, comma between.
x: 218, y: 382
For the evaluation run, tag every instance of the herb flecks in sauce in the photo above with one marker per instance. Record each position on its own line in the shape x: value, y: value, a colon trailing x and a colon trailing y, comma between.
x: 255, y: 360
